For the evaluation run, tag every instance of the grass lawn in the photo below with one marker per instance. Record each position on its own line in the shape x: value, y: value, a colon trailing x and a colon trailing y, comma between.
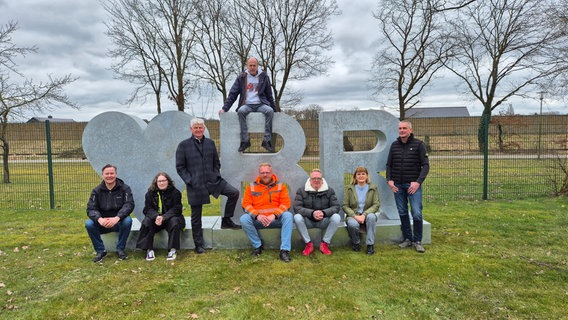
x: 488, y: 260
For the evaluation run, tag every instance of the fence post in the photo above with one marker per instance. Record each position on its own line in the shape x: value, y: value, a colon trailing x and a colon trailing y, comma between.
x: 485, y: 156
x: 49, y: 165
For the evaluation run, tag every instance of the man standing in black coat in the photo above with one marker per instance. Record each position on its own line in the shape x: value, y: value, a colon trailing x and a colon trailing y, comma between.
x: 407, y: 168
x: 197, y: 163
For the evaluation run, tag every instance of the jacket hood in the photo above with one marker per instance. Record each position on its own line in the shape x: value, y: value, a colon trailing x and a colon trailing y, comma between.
x: 308, y: 187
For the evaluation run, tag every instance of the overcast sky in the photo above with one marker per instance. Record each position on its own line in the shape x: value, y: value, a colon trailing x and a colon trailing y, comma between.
x: 70, y: 36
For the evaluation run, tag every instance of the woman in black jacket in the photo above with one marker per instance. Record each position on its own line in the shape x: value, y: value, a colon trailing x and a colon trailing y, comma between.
x: 162, y: 210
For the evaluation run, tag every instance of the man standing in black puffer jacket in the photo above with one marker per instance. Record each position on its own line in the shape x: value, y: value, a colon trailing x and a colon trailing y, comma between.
x: 407, y: 168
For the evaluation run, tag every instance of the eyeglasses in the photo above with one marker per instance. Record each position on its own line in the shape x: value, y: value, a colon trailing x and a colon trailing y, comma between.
x: 316, y: 179
x: 162, y: 180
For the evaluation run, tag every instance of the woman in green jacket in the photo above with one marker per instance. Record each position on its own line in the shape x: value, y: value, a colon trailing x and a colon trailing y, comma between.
x: 361, y: 207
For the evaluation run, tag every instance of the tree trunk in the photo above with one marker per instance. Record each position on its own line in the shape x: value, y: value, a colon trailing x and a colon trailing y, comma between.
x: 180, y: 100
x: 485, y: 118
x: 5, y: 153
x: 158, y: 102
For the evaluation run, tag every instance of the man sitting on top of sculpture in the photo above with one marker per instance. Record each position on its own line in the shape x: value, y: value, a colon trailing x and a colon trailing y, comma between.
x: 253, y: 86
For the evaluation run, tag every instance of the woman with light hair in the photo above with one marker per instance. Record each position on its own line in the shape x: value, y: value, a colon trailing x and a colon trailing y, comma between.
x: 361, y: 205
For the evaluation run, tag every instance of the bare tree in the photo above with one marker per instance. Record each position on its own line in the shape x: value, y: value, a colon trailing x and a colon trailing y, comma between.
x: 310, y: 112
x: 414, y: 49
x: 139, y: 58
x: 291, y: 38
x: 241, y: 33
x: 153, y: 40
x: 20, y: 97
x: 222, y: 43
x: 502, y: 49
x: 557, y: 84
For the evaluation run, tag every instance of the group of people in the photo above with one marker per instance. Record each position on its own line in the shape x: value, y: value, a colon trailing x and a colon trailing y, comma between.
x: 266, y: 202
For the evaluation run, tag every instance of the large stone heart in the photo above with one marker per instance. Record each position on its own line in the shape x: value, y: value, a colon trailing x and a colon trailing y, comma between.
x: 138, y: 150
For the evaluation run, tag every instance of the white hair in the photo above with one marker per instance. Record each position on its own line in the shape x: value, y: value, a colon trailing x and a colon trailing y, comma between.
x: 195, y: 121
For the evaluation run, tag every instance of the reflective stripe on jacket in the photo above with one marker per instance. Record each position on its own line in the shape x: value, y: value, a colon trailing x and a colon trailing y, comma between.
x: 266, y: 199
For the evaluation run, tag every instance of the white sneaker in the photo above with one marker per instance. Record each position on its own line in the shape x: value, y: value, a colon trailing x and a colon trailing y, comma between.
x: 150, y: 255
x: 172, y: 255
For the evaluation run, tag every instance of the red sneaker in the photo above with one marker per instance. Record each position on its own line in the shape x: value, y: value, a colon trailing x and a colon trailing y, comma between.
x: 309, y: 249
x: 324, y: 248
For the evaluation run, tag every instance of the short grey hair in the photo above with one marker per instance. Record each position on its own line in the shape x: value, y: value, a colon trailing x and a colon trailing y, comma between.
x: 408, y: 122
x: 195, y: 121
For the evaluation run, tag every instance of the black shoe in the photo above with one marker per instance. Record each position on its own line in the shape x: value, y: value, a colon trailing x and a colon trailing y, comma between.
x: 268, y: 146
x: 257, y: 251
x: 121, y: 255
x: 99, y: 257
x: 244, y: 145
x: 227, y: 223
x: 356, y: 247
x: 199, y: 250
x: 285, y: 256
x: 370, y: 249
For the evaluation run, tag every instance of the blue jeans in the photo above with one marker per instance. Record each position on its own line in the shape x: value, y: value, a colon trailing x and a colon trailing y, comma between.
x: 353, y: 228
x: 285, y: 221
x: 402, y: 198
x: 94, y: 229
x: 268, y: 112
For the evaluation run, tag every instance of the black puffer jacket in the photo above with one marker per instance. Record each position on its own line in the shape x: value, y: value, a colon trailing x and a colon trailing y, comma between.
x: 407, y: 162
x: 308, y: 200
x: 105, y: 203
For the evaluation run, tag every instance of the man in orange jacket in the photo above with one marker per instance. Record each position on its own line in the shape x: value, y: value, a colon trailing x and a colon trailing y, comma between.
x: 266, y: 203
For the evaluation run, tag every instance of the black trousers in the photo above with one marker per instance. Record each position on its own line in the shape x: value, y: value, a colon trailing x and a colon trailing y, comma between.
x: 232, y: 195
x: 173, y: 226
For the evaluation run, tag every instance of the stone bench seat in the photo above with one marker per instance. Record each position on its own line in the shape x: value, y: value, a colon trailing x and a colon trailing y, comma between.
x: 388, y: 232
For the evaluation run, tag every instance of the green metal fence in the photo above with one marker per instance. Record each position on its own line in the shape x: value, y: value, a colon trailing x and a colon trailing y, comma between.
x: 525, y: 157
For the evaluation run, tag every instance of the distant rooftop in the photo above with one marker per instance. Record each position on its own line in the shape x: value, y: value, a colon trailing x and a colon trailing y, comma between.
x: 437, y: 112
x: 50, y: 118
